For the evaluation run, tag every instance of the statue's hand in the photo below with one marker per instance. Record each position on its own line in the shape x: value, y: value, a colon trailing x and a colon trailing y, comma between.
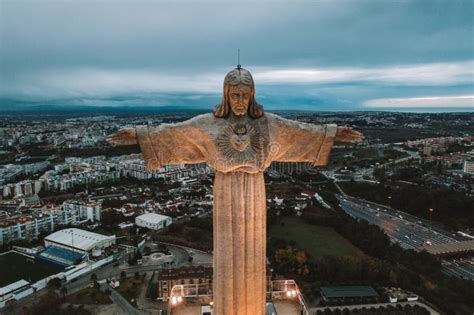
x: 123, y: 137
x: 349, y: 135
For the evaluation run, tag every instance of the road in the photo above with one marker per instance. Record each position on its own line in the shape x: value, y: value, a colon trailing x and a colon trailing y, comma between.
x: 369, y: 172
x: 461, y: 268
x: 181, y: 255
x: 408, y: 231
x: 126, y: 307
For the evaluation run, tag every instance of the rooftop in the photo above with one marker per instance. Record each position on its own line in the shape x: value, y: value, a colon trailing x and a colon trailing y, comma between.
x: 61, y: 255
x: 348, y: 292
x: 14, y: 286
x: 76, y: 238
x: 185, y: 272
x: 153, y: 217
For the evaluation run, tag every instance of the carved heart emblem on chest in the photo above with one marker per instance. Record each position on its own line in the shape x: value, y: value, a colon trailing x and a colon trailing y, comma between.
x: 240, y: 142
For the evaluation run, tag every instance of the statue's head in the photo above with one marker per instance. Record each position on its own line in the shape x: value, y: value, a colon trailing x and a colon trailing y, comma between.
x: 239, y: 96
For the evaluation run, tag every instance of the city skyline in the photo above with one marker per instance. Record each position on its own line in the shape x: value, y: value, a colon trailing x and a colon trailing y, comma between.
x: 236, y: 157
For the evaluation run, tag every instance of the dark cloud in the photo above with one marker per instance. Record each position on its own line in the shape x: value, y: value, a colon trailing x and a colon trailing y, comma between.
x: 187, y: 38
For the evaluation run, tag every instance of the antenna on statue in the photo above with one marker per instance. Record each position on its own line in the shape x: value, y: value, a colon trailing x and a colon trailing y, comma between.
x: 238, y: 59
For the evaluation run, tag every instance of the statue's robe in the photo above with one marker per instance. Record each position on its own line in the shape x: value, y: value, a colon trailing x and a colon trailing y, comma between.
x: 239, y: 149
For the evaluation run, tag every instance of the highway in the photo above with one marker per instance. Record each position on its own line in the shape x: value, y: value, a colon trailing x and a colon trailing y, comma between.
x: 461, y: 268
x: 408, y: 231
x: 369, y: 171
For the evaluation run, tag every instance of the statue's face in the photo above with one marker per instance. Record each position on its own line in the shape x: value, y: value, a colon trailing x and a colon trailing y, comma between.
x: 239, y: 98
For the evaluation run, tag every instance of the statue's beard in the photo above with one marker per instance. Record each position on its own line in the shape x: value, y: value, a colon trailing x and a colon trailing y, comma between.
x: 239, y: 110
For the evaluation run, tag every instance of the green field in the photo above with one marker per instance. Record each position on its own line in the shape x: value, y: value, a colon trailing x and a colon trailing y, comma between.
x: 14, y: 267
x: 317, y: 240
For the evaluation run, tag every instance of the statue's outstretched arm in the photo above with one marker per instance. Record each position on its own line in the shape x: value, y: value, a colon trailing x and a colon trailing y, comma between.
x: 294, y: 141
x: 123, y: 137
x: 180, y: 143
x: 348, y: 135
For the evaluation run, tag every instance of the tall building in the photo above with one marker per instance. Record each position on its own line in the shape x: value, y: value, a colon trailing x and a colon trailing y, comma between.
x: 468, y: 166
x: 28, y: 188
x: 31, y: 226
x: 26, y: 228
x: 168, y: 278
x: 85, y: 211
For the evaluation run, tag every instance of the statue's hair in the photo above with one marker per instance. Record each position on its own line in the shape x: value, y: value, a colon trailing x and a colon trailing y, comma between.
x: 233, y: 78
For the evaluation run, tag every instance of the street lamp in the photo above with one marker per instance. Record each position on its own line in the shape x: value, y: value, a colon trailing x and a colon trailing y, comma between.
x: 431, y: 213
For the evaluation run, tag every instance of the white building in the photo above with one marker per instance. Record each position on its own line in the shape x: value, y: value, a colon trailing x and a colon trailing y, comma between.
x: 38, y: 185
x: 30, y: 227
x: 28, y: 188
x: 87, y: 211
x: 153, y: 221
x: 79, y: 240
x: 36, y: 167
x: 468, y: 166
x: 25, y: 228
x: 14, y: 291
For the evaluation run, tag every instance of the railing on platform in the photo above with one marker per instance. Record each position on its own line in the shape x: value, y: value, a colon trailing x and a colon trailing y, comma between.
x: 287, y: 289
x: 276, y: 290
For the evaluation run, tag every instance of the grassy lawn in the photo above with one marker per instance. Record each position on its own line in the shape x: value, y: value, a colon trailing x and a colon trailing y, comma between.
x: 317, y: 240
x: 14, y: 267
x: 130, y: 288
x: 88, y: 296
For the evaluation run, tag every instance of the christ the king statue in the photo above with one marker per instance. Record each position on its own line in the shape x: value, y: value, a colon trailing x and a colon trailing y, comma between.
x: 239, y: 141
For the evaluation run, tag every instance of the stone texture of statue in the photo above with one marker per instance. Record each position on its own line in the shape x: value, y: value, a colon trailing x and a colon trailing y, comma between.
x: 239, y: 140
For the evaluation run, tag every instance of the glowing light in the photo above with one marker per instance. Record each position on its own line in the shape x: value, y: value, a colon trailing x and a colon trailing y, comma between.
x: 176, y: 299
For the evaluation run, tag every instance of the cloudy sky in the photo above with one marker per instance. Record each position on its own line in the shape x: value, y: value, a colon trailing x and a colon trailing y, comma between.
x: 310, y: 55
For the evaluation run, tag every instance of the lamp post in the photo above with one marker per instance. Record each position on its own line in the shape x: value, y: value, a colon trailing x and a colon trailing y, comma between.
x: 431, y: 213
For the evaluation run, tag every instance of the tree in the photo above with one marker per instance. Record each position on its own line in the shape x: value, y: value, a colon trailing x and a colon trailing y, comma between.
x: 380, y: 173
x: 54, y: 283
x: 162, y: 247
x: 137, y: 275
x: 63, y: 291
x: 131, y: 260
x: 10, y: 305
x: 93, y: 277
x: 49, y: 303
x: 123, y: 275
